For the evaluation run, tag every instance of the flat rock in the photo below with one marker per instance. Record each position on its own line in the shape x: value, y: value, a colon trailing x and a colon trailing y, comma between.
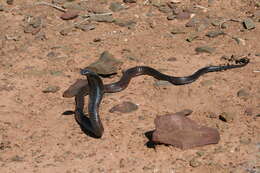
x: 75, y: 88
x: 181, y: 132
x: 124, y: 107
x: 106, y: 64
x: 70, y: 14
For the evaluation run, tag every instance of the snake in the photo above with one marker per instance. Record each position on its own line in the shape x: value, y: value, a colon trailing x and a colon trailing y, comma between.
x: 94, y: 87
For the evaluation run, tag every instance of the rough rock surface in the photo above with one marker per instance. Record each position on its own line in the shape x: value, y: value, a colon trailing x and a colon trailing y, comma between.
x: 181, y: 132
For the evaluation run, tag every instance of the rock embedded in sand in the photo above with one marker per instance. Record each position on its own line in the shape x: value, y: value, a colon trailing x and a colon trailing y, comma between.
x: 124, y: 107
x: 70, y: 14
x: 181, y: 132
x: 106, y: 65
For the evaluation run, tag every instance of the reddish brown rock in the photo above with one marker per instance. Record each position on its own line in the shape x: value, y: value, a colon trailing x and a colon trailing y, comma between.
x: 70, y: 14
x: 181, y: 132
x: 75, y: 88
x: 124, y: 107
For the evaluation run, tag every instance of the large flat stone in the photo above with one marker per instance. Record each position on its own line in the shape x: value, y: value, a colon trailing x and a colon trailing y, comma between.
x: 182, y: 132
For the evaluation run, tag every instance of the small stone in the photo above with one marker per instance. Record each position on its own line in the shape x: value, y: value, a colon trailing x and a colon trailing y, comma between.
x: 207, y: 82
x: 86, y: 27
x: 194, y: 163
x: 129, y: 1
x: 106, y: 65
x: 124, y: 107
x: 102, y: 18
x: 249, y: 111
x: 226, y: 117
x: 70, y: 14
x: 213, y: 34
x: 245, y: 140
x: 192, y: 36
x: 162, y: 83
x: 183, y: 16
x: 249, y: 24
x: 181, y: 132
x: 66, y: 31
x: 164, y: 8
x: 17, y: 158
x: 178, y: 30
x: 97, y: 40
x: 192, y: 22
x: 115, y: 6
x: 243, y: 94
x: 257, y: 54
x: 51, y: 89
x: 200, y: 153
x: 204, y: 49
x: 125, y: 23
x: 172, y: 59
x: 10, y: 2
x: 2, y: 8
x: 171, y: 17
x: 73, y: 6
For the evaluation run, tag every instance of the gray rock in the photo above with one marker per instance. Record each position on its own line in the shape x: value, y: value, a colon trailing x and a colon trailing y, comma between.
x: 2, y: 8
x: 181, y: 132
x: 115, y: 6
x: 86, y: 26
x: 178, y: 30
x: 51, y: 89
x: 213, y: 34
x: 248, y: 24
x: 72, y: 6
x: 243, y: 94
x: 124, y: 107
x: 125, y: 23
x: 106, y: 64
x: 102, y: 18
x: 204, y: 49
x: 162, y: 83
x: 192, y: 36
x: 129, y: 1
x: 10, y: 2
x: 183, y: 15
x: 194, y: 163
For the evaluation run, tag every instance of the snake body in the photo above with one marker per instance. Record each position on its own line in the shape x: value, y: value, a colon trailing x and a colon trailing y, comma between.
x: 95, y: 88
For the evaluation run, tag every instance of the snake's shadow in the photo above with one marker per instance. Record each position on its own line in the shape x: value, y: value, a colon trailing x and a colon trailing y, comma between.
x: 86, y: 121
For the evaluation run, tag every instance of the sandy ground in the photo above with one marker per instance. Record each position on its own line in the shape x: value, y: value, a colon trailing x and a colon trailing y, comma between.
x: 36, y: 137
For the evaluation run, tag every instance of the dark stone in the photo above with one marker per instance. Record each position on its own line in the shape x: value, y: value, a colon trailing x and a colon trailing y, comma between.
x: 75, y: 88
x: 181, y: 132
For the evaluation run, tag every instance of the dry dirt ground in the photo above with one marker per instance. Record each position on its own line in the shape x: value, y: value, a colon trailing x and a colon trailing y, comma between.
x: 36, y: 137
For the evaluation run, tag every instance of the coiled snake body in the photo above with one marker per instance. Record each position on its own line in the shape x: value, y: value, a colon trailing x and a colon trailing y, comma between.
x: 95, y: 88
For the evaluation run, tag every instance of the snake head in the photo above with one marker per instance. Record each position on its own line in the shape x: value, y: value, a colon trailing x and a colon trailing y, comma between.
x: 87, y: 72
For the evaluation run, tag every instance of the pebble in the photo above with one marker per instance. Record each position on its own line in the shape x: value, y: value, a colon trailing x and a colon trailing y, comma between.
x: 164, y: 8
x: 243, y: 94
x: 10, y: 2
x: 125, y: 23
x: 86, y: 26
x: 2, y: 8
x: 129, y: 1
x: 178, y: 30
x: 213, y: 34
x: 249, y: 111
x: 245, y: 140
x: 51, y: 89
x: 206, y: 82
x: 204, y: 49
x: 102, y: 18
x: 194, y: 163
x: 227, y: 117
x: 72, y: 6
x: 17, y: 158
x: 183, y: 16
x: 70, y: 14
x: 192, y: 36
x: 116, y: 6
x: 248, y: 24
x: 124, y: 107
x: 161, y: 83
